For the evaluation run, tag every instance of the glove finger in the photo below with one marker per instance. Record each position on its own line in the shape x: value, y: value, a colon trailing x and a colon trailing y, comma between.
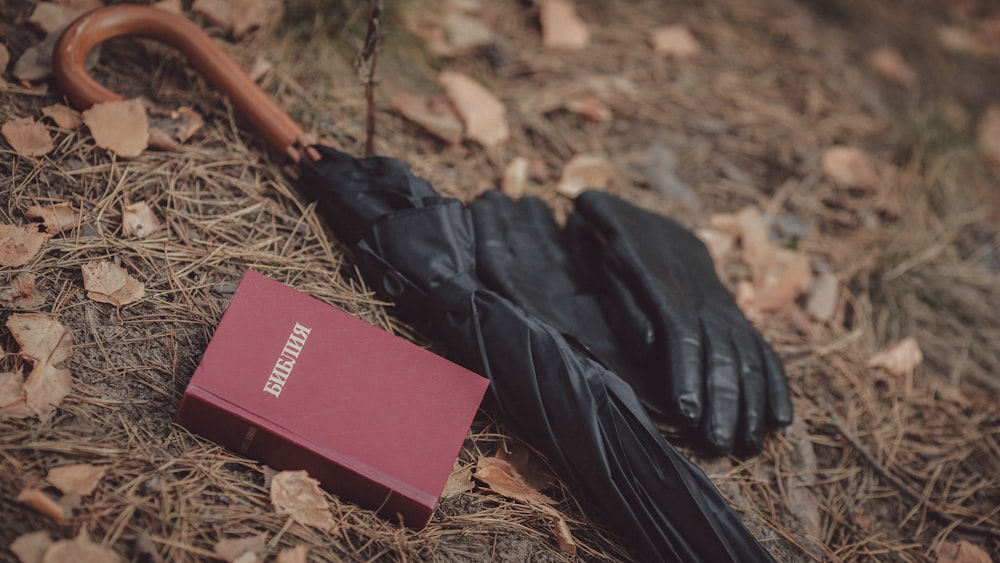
x: 779, y: 402
x: 685, y: 372
x: 753, y: 387
x: 722, y: 388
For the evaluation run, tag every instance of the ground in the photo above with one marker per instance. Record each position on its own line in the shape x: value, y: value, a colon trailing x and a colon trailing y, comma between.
x: 877, y: 465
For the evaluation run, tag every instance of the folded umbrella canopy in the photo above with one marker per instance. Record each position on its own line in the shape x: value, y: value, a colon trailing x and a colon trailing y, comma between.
x: 418, y: 249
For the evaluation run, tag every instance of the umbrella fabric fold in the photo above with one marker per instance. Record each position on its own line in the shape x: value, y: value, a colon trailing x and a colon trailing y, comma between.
x: 418, y: 249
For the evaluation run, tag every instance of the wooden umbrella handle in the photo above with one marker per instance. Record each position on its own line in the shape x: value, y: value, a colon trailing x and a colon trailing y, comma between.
x: 102, y: 24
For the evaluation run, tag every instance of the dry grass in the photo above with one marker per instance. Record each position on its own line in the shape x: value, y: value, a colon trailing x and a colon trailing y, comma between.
x: 876, y: 467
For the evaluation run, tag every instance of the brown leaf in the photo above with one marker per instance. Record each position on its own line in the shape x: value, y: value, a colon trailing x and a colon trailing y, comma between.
x: 4, y: 58
x: 297, y: 554
x: 46, y: 387
x: 44, y: 504
x: 139, y: 220
x: 20, y: 294
x: 64, y: 117
x: 466, y: 32
x: 52, y: 18
x: 460, y: 481
x: 81, y: 478
x: 822, y: 302
x: 515, y: 177
x: 28, y: 137
x: 41, y: 337
x: 107, y: 283
x: 172, y: 6
x: 484, y: 115
x: 779, y: 276
x: 29, y: 548
x: 232, y: 549
x: 18, y: 245
x: 590, y: 108
x: 988, y: 136
x: 562, y: 28
x: 850, y: 167
x: 168, y: 129
x: 54, y: 218
x: 296, y: 494
x: 527, y: 464
x: 13, y: 401
x: 900, y: 359
x: 961, y: 552
x: 119, y: 126
x: 889, y: 64
x: 437, y: 118
x: 583, y: 172
x: 674, y: 41
x: 259, y: 69
x: 239, y: 17
x: 80, y: 550
x: 564, y: 536
x: 503, y: 479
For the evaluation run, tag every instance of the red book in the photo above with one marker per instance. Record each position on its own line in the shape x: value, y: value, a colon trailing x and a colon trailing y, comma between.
x: 297, y: 384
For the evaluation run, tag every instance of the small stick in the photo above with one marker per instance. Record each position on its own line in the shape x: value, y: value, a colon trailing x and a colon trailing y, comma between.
x: 369, y: 56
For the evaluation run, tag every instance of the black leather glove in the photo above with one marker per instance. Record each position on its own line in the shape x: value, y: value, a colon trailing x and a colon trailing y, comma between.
x: 640, y: 293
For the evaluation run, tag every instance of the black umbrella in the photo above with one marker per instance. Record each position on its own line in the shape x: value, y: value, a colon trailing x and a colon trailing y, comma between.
x: 417, y: 248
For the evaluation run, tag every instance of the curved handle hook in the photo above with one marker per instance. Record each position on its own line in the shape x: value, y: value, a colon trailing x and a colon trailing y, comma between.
x: 102, y: 24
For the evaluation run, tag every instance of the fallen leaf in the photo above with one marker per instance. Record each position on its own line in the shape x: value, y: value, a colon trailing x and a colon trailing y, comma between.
x: 961, y: 552
x: 567, y: 544
x: 239, y: 17
x: 988, y: 136
x: 81, y: 478
x: 4, y: 58
x: 973, y: 42
x: 85, y: 5
x: 139, y: 220
x: 527, y: 464
x: 107, y: 283
x: 850, y: 167
x: 50, y: 17
x: 172, y: 6
x: 583, y: 172
x: 232, y: 549
x: 889, y: 64
x: 900, y: 359
x: 30, y: 547
x: 168, y: 129
x: 590, y: 108
x: 515, y: 177
x: 13, y: 401
x: 119, y: 126
x: 779, y: 276
x: 483, y: 114
x: 459, y: 481
x: 28, y: 137
x: 64, y: 117
x: 296, y: 554
x: 502, y: 478
x: 41, y: 337
x: 35, y: 63
x: 20, y: 294
x: 822, y: 302
x: 296, y: 494
x: 562, y: 28
x: 259, y: 69
x: 437, y: 118
x: 674, y: 41
x: 145, y: 548
x: 46, y: 387
x: 54, y: 218
x: 18, y: 245
x: 45, y: 505
x: 80, y: 550
x: 466, y: 32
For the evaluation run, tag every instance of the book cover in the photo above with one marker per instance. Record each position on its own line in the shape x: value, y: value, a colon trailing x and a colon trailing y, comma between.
x: 295, y: 383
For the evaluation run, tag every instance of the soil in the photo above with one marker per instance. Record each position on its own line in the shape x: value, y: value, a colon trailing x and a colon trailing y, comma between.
x: 875, y: 467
